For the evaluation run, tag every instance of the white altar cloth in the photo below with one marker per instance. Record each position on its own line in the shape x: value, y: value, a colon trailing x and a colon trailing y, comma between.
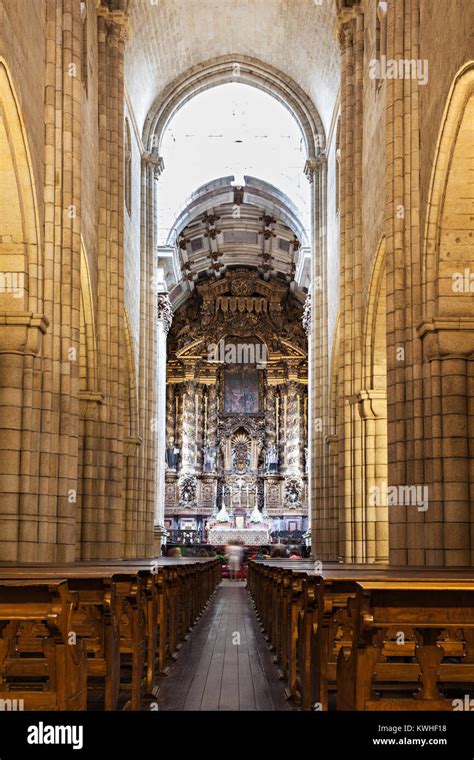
x: 249, y: 536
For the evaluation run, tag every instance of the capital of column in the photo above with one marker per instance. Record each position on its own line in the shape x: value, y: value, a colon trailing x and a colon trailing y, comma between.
x: 343, y: 25
x: 371, y: 403
x: 154, y: 161
x: 164, y: 311
x: 447, y: 336
x: 23, y: 332
x: 313, y: 165
x: 118, y: 22
x: 89, y: 403
x: 331, y: 441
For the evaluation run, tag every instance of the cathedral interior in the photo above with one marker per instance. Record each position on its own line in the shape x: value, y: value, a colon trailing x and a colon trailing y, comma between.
x: 236, y: 354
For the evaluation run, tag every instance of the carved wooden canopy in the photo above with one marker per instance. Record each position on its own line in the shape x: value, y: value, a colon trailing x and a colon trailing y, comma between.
x: 241, y: 306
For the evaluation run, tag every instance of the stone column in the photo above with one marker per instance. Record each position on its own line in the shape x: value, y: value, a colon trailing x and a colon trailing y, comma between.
x: 351, y: 477
x: 404, y: 292
x: 316, y: 325
x: 164, y: 316
x: 151, y: 283
x: 448, y: 384
x: 39, y: 335
x: 103, y: 503
x: 62, y: 280
x: 333, y: 530
x: 372, y: 408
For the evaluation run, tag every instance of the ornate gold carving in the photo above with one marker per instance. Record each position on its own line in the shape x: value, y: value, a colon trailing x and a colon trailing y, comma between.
x: 164, y: 310
x: 244, y: 453
x: 241, y: 287
x: 306, y: 321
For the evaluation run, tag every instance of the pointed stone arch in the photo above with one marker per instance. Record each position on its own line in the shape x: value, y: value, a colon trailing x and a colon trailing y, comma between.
x: 20, y: 244
x: 22, y: 326
x: 333, y: 374
x: 449, y: 231
x: 447, y: 334
x: 372, y: 404
x: 90, y: 401
x: 243, y: 70
x: 332, y: 455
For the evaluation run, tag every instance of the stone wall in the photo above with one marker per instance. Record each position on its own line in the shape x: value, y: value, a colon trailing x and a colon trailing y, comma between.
x: 22, y: 41
x: 82, y: 340
x: 68, y: 407
x: 402, y: 414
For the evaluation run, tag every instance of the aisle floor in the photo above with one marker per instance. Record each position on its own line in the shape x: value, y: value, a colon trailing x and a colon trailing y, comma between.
x: 225, y: 664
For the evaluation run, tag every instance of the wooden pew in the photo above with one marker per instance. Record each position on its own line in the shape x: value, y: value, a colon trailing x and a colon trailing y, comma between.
x: 179, y: 590
x: 186, y: 585
x: 331, y: 628
x: 39, y: 663
x: 162, y: 600
x: 430, y: 609
x: 279, y: 587
x: 110, y: 617
x: 142, y: 607
x: 317, y: 603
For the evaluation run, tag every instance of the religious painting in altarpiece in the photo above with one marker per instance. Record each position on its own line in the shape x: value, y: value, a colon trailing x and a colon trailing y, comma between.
x: 241, y: 395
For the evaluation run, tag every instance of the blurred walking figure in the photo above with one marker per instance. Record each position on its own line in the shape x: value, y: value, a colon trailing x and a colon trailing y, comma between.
x: 234, y: 559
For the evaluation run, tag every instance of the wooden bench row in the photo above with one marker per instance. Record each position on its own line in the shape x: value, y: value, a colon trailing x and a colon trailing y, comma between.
x: 69, y: 629
x: 380, y: 637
